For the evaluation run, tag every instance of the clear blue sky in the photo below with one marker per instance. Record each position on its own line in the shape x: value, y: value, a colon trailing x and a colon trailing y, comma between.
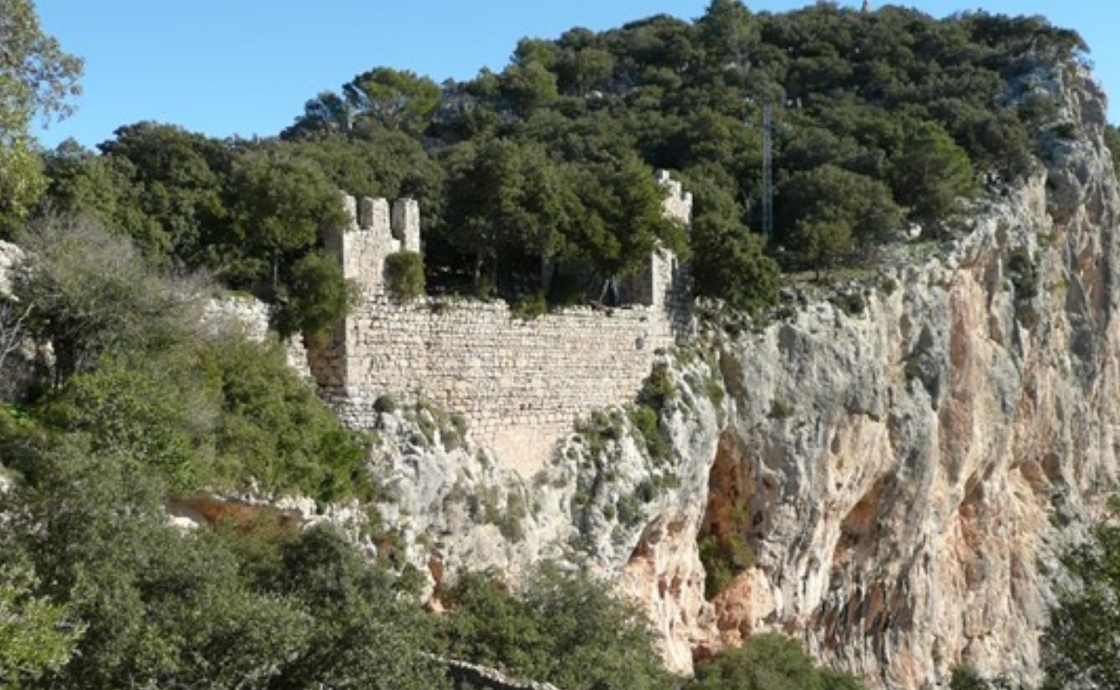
x: 246, y: 67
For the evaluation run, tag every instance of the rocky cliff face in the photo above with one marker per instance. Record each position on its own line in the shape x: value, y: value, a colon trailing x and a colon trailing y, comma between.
x: 938, y: 449
x: 901, y: 479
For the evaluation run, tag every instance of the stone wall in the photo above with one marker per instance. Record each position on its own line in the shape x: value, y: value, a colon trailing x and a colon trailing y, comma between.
x: 520, y: 383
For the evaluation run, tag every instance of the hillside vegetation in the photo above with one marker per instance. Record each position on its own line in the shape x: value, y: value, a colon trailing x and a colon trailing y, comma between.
x: 881, y: 119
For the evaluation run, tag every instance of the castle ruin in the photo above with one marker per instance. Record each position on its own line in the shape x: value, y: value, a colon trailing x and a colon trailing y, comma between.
x: 519, y: 383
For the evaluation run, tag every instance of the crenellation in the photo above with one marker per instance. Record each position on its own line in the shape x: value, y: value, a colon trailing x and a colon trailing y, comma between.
x: 519, y: 382
x: 406, y: 224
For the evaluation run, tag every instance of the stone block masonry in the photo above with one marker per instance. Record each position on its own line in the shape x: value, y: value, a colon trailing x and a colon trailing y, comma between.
x: 520, y: 383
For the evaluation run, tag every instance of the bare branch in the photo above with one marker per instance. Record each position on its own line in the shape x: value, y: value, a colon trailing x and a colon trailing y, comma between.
x: 12, y: 319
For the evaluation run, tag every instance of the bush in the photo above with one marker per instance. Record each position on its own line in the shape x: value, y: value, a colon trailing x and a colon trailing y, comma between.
x: 1023, y: 273
x: 644, y: 419
x: 140, y: 408
x: 320, y: 297
x: 657, y: 388
x: 90, y: 293
x: 723, y: 558
x: 530, y: 307
x: 272, y: 429
x: 563, y: 628
x: 768, y: 662
x: 780, y: 409
x: 404, y: 274
x: 1079, y: 643
x: 229, y: 608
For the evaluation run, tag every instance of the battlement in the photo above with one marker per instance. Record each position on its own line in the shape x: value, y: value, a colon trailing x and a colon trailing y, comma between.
x: 374, y: 230
x: 478, y: 359
x: 678, y: 203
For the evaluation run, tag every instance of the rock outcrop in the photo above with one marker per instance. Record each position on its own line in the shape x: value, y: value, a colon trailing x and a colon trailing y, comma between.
x: 902, y: 478
x: 939, y: 449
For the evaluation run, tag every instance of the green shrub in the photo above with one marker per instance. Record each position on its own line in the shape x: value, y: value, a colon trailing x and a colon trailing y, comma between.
x: 271, y: 428
x: 768, y: 662
x: 404, y: 273
x: 724, y: 557
x: 657, y: 389
x: 91, y: 293
x: 630, y: 511
x: 780, y: 409
x: 530, y: 306
x: 319, y: 297
x: 142, y: 409
x: 851, y: 303
x: 1023, y: 273
x: 563, y: 628
x: 644, y: 419
x: 714, y: 390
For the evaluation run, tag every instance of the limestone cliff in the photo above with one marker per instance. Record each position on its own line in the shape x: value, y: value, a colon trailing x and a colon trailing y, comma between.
x: 903, y: 476
x: 906, y: 507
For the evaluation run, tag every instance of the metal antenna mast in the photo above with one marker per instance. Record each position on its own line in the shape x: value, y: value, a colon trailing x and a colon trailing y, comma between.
x: 768, y: 171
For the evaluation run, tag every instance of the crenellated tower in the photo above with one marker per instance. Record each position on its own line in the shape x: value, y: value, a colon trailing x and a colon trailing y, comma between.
x: 374, y: 230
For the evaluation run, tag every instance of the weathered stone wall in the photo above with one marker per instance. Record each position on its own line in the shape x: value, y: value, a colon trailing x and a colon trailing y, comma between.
x: 520, y: 383
x: 515, y: 380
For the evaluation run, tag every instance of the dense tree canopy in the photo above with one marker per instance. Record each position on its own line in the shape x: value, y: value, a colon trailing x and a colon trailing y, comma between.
x: 878, y: 116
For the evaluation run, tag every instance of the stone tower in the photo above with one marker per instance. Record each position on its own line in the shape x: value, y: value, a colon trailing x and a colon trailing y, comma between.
x: 660, y: 280
x: 374, y: 230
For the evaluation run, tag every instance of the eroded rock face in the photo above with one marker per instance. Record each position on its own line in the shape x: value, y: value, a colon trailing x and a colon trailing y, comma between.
x: 904, y: 508
x: 602, y: 503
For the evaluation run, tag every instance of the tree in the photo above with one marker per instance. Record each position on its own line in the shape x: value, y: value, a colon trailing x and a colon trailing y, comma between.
x: 727, y: 258
x: 623, y: 220
x: 282, y: 206
x: 1081, y: 643
x: 83, y: 183
x: 36, y: 636
x: 564, y: 628
x: 393, y: 98
x: 528, y: 87
x: 90, y: 292
x: 581, y: 63
x: 727, y: 33
x: 363, y: 634
x: 931, y: 173
x: 36, y: 78
x: 327, y: 113
x: 823, y: 244
x: 768, y: 662
x: 827, y: 212
x: 506, y: 202
x: 176, y: 183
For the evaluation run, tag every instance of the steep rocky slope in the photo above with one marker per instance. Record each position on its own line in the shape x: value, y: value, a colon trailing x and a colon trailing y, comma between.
x: 905, y: 512
x: 903, y: 476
